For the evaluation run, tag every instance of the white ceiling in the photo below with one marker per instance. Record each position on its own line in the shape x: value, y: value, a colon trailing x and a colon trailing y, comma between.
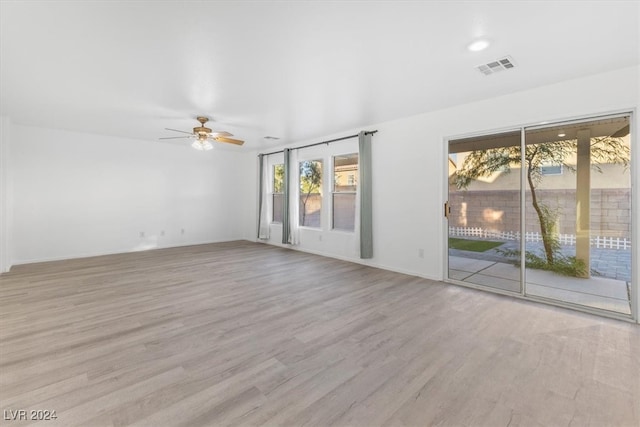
x: 295, y: 70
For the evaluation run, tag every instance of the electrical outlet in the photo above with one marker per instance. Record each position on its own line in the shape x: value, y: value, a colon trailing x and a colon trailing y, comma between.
x: 182, y: 231
x: 162, y: 232
x: 420, y: 253
x: 320, y: 237
x: 142, y: 234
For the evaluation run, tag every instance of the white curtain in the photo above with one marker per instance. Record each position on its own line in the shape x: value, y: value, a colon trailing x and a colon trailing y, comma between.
x: 266, y: 191
x: 294, y: 202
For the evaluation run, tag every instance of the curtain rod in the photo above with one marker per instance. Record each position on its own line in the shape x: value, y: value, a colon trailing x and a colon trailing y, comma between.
x: 369, y: 132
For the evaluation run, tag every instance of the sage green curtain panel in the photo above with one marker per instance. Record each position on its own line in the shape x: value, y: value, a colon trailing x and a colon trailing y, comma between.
x: 366, y: 206
x: 261, y: 195
x: 286, y: 219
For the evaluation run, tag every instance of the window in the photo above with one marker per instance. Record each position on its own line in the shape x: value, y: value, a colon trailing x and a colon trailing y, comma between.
x: 345, y: 183
x: 278, y: 193
x: 551, y: 169
x: 310, y: 193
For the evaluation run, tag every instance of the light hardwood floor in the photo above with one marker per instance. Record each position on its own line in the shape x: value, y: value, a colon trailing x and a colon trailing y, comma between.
x: 242, y: 333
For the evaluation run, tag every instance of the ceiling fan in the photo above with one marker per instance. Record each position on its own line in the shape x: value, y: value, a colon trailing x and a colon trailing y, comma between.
x: 203, y: 136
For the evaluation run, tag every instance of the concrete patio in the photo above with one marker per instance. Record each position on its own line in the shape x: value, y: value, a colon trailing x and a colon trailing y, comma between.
x: 596, y: 292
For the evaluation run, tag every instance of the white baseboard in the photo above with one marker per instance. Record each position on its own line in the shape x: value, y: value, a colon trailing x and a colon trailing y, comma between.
x: 116, y: 252
x: 369, y: 263
x: 366, y: 262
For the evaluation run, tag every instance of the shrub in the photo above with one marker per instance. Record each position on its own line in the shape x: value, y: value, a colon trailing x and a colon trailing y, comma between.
x: 562, y: 264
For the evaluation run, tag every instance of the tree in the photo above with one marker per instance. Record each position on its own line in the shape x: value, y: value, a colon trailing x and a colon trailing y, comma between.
x: 483, y: 163
x: 310, y: 182
x: 278, y: 179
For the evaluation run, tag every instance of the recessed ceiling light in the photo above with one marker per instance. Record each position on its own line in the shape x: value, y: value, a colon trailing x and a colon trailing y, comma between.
x: 478, y: 45
x: 271, y: 137
x: 561, y: 134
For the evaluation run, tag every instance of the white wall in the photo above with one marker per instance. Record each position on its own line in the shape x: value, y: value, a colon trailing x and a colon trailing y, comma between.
x: 5, y: 196
x: 409, y: 165
x: 78, y: 194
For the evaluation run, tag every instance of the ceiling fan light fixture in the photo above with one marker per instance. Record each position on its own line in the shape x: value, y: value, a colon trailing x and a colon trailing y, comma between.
x: 202, y: 145
x: 204, y: 136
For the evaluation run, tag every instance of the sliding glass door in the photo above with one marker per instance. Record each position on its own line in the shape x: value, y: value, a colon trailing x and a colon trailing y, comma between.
x: 484, y: 211
x: 578, y: 213
x: 559, y: 194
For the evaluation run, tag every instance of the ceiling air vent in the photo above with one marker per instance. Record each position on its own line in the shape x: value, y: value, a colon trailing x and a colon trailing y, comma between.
x: 493, y: 67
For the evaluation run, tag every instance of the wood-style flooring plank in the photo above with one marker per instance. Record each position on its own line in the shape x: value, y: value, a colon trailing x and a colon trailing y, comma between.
x: 246, y: 334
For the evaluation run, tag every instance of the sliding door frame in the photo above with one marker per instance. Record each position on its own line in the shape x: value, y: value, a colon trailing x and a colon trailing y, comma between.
x: 635, y: 233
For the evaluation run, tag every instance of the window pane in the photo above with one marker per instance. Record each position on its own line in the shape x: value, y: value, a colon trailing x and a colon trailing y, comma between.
x: 278, y: 197
x: 345, y: 184
x: 278, y: 178
x: 578, y: 232
x: 484, y: 217
x: 310, y: 193
x: 278, y: 207
x: 551, y: 169
x: 345, y: 173
x: 344, y: 211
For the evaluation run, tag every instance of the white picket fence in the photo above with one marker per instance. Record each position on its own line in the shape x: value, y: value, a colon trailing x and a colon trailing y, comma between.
x: 565, y: 239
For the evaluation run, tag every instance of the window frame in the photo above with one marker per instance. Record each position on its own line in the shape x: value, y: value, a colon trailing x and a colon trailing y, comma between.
x: 522, y: 129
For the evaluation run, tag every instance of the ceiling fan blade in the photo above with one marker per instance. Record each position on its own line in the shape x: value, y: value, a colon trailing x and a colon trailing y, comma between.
x: 228, y: 140
x: 176, y: 130
x: 221, y: 133
x: 175, y: 137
